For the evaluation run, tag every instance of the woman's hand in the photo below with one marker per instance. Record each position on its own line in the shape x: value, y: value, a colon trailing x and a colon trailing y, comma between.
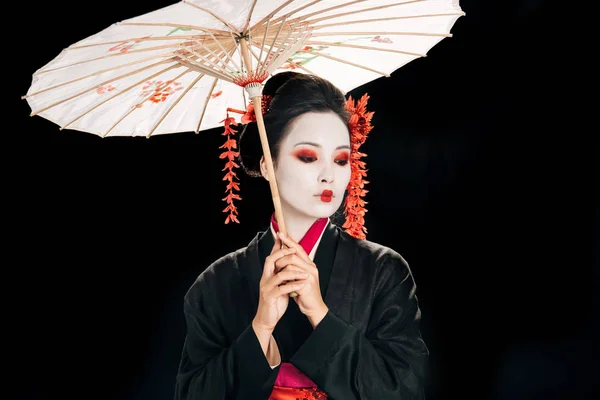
x: 309, y: 299
x: 274, y: 290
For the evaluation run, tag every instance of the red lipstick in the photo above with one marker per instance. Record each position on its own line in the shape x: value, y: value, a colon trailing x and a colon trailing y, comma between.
x: 326, y: 196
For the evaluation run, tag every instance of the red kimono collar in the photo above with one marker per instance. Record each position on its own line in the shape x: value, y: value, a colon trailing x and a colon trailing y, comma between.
x: 312, y: 235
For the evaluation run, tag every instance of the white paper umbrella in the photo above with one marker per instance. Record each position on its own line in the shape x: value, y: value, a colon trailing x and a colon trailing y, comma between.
x: 178, y: 69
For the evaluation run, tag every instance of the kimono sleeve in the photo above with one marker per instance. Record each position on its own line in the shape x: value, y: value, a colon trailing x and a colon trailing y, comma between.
x: 386, y: 361
x: 212, y: 365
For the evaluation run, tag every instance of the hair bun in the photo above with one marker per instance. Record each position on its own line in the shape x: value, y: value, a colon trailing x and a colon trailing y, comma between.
x: 250, y: 149
x: 276, y: 81
x: 292, y: 94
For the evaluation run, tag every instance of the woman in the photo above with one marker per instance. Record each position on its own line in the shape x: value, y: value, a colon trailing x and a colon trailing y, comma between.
x: 352, y: 330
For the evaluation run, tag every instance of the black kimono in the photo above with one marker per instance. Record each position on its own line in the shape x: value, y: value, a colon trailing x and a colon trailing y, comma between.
x: 368, y: 346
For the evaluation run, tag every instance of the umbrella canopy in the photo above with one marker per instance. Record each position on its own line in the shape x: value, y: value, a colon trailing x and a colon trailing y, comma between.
x: 178, y: 69
x: 182, y: 67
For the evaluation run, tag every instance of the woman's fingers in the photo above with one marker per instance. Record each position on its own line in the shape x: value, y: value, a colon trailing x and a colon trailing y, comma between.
x: 278, y: 245
x: 292, y: 260
x: 288, y: 288
x: 269, y: 267
x: 286, y: 275
x: 288, y: 242
x: 283, y: 278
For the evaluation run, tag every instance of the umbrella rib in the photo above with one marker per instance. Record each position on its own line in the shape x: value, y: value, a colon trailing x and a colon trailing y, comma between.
x: 208, y: 97
x: 356, y: 46
x: 312, y: 21
x: 172, y: 25
x: 227, y: 24
x: 249, y: 16
x: 291, y: 62
x: 204, y: 69
x: 211, y: 63
x: 176, y: 101
x: 302, y: 67
x: 271, y: 14
x: 215, y: 64
x: 282, y: 47
x: 286, y: 54
x: 226, y: 53
x: 344, y: 62
x: 304, y: 17
x: 284, y: 16
x: 132, y: 108
x: 262, y: 46
x: 212, y: 88
x: 381, y: 33
x: 109, y: 55
x: 386, y: 19
x: 99, y: 85
x: 138, y: 39
x: 257, y: 58
x: 97, y: 73
x: 242, y: 63
x: 219, y: 70
x: 262, y: 67
x: 235, y: 45
x: 184, y: 60
x: 283, y: 55
x: 118, y: 94
x: 220, y: 60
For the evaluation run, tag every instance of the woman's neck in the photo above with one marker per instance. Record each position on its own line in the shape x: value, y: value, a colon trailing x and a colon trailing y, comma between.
x: 297, y: 225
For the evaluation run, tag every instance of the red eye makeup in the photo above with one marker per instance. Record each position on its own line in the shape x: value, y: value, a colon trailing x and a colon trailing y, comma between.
x: 310, y: 155
x: 342, y: 158
x: 306, y: 155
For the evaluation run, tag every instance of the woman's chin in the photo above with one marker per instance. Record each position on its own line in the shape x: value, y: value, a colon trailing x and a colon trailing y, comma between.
x: 317, y: 210
x: 325, y: 210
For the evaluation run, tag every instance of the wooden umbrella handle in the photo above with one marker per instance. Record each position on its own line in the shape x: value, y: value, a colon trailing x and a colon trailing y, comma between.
x: 255, y: 92
x: 256, y: 101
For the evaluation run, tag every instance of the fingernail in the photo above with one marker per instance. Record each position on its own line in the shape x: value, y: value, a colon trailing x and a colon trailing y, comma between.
x: 282, y: 235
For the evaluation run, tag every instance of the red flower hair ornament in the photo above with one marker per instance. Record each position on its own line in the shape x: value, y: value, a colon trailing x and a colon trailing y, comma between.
x: 354, y: 208
x: 359, y: 126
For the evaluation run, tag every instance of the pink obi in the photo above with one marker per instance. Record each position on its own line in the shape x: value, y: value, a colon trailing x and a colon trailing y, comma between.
x: 290, y: 376
x: 292, y: 384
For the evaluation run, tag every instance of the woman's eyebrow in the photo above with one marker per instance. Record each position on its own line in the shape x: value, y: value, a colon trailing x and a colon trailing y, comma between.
x: 345, y: 146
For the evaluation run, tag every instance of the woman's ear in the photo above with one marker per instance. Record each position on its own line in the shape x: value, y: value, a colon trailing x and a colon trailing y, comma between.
x: 263, y: 168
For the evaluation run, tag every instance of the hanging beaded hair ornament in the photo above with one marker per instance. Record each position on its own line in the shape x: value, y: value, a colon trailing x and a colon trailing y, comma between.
x: 359, y: 126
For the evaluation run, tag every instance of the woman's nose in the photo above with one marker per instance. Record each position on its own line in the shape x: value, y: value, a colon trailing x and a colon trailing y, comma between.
x: 326, y: 174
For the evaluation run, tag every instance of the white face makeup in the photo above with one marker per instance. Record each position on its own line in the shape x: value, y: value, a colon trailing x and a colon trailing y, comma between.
x: 313, y: 166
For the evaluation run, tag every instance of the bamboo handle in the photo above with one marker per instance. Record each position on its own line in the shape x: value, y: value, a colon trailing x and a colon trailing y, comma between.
x: 262, y: 131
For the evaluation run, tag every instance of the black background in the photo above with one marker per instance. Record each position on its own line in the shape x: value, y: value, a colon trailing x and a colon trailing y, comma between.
x: 476, y: 179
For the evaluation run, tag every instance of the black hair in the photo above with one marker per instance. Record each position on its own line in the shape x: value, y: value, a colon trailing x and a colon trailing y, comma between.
x: 293, y: 94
